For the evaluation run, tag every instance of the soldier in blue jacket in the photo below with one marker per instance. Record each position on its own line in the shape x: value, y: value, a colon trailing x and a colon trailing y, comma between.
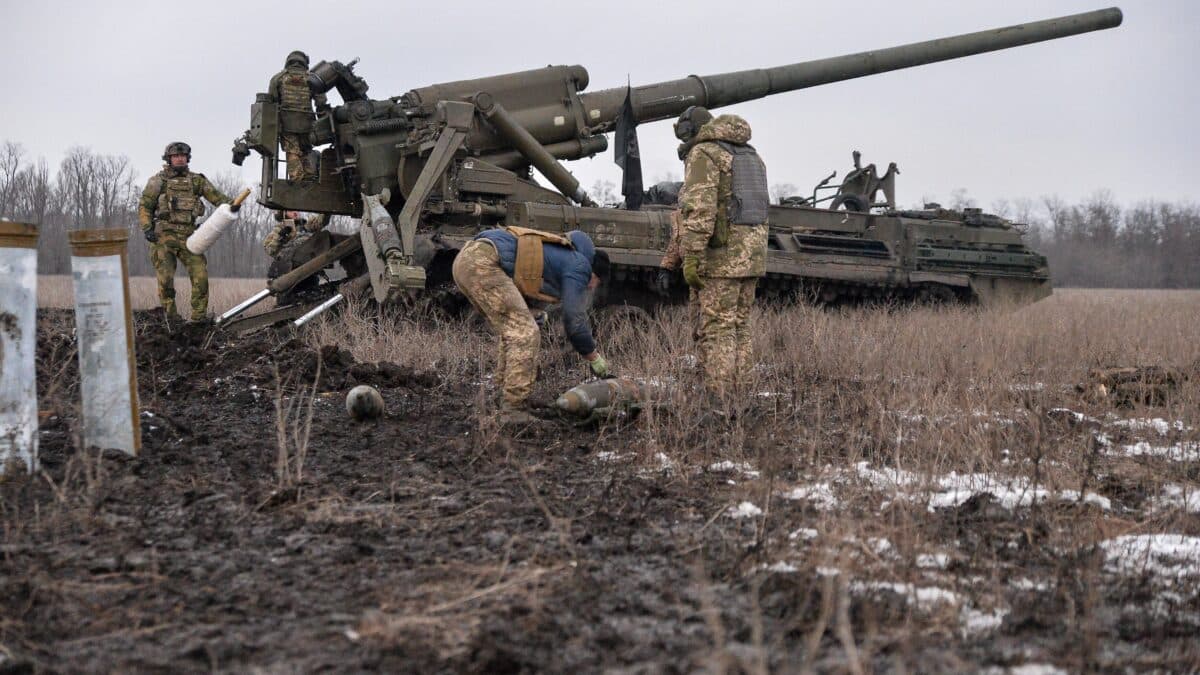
x: 503, y: 268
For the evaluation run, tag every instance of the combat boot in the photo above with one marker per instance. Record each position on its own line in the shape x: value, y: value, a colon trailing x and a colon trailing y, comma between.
x: 515, y: 416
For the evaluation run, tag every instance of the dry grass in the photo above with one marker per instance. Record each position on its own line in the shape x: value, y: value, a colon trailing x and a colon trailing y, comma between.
x: 56, y: 291
x: 865, y: 426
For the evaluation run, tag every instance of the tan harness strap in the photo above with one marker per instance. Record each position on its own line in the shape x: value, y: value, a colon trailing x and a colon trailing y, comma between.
x: 527, y: 271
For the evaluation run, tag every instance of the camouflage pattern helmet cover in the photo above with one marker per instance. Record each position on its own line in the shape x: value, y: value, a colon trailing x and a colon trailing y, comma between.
x: 177, y: 148
x: 690, y: 121
x: 296, y: 57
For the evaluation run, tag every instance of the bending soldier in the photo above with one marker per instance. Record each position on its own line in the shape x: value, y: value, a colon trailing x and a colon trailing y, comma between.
x: 723, y: 213
x: 290, y: 89
x: 167, y: 213
x: 499, y: 270
x: 291, y: 227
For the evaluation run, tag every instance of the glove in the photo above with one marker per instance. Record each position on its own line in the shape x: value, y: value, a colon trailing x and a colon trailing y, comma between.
x: 662, y: 281
x: 151, y: 235
x: 599, y: 366
x: 691, y: 272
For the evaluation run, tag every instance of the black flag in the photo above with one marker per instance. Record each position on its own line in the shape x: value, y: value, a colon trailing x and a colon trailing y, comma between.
x: 627, y: 155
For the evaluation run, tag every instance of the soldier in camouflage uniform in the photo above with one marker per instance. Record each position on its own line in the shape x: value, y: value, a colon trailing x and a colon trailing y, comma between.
x: 723, y: 238
x: 167, y: 213
x: 290, y: 89
x: 291, y: 227
x: 670, y: 262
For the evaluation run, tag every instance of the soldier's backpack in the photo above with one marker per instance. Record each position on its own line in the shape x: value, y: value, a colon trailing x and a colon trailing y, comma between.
x: 527, y: 271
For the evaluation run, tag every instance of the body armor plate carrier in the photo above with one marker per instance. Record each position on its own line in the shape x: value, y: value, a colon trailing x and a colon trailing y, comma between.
x: 749, y: 198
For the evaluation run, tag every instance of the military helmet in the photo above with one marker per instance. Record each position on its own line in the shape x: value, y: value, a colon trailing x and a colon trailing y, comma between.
x: 296, y: 56
x: 690, y: 121
x: 177, y: 148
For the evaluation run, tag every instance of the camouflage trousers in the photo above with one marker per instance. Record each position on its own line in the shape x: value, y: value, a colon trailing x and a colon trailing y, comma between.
x: 296, y: 147
x: 172, y: 247
x: 478, y: 275
x: 725, y: 332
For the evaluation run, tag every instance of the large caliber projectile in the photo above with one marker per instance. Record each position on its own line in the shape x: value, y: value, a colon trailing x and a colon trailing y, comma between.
x: 590, y: 397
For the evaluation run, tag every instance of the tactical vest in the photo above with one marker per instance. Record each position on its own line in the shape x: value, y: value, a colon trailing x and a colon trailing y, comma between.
x: 178, y: 203
x: 749, y: 198
x: 295, y: 101
x: 527, y: 271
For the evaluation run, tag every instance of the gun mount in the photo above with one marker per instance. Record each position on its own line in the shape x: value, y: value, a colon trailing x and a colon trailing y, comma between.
x: 429, y: 168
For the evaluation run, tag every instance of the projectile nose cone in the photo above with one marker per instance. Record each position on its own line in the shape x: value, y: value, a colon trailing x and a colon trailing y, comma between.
x: 568, y: 403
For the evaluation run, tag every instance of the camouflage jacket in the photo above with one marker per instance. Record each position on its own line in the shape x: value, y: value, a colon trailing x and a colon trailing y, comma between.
x: 290, y: 89
x: 674, y: 255
x: 704, y: 199
x: 163, y: 204
x: 285, y: 231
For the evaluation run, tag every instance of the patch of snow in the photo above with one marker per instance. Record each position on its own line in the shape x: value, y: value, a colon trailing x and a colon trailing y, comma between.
x: 607, y: 456
x: 820, y: 494
x: 745, y: 510
x: 727, y: 466
x: 1168, y: 556
x: 1178, y: 497
x: 880, y: 545
x: 925, y: 598
x: 806, y: 533
x: 975, y: 622
x: 1159, y: 425
x: 1180, y: 452
x: 886, y: 478
x: 1090, y: 498
x: 828, y: 571
x: 783, y: 568
x: 1035, y: 386
x: 664, y: 463
x: 1036, y: 669
x: 1024, y: 584
x: 933, y: 560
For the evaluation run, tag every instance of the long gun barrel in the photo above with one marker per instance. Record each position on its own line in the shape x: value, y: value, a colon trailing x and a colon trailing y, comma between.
x: 668, y: 99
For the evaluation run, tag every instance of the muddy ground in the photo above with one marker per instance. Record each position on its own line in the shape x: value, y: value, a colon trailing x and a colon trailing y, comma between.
x: 430, y: 541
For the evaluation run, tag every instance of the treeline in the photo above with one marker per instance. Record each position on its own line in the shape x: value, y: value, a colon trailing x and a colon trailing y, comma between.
x: 1095, y: 243
x: 91, y: 190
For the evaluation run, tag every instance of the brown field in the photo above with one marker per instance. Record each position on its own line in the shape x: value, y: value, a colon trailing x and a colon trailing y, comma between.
x: 898, y: 490
x: 55, y: 291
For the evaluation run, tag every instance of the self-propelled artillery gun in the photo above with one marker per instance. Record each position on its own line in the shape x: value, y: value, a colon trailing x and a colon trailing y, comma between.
x: 426, y: 170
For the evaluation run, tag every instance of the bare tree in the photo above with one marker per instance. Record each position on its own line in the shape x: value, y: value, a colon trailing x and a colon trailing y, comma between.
x: 10, y: 167
x: 34, y: 192
x: 781, y: 190
x: 604, y: 192
x: 959, y: 199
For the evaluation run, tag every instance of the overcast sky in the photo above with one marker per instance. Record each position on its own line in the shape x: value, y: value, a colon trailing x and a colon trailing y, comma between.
x: 1116, y: 109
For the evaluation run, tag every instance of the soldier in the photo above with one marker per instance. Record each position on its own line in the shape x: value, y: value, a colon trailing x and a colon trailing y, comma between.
x: 291, y: 227
x: 167, y: 213
x: 290, y: 89
x: 670, y: 262
x: 723, y: 213
x: 499, y: 270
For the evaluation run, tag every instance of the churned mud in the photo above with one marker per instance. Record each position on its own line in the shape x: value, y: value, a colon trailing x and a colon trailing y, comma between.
x: 250, y: 536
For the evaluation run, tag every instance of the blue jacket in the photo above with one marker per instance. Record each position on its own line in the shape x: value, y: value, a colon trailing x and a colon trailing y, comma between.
x: 566, y: 274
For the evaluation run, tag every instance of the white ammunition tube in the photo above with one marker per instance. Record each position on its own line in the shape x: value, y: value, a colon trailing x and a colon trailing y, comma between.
x: 18, y: 346
x: 104, y: 328
x: 211, y: 229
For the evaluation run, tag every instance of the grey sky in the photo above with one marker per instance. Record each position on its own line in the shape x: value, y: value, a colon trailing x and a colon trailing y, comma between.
x: 1116, y: 109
